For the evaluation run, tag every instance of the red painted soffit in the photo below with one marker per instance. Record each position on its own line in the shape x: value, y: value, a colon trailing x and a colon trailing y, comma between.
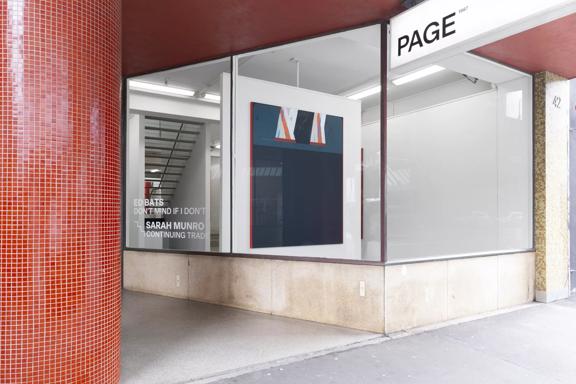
x: 169, y: 33
x: 160, y: 34
x: 550, y: 47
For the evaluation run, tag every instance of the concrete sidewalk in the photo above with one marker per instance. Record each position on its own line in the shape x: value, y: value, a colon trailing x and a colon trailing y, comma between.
x: 536, y: 345
x: 173, y: 341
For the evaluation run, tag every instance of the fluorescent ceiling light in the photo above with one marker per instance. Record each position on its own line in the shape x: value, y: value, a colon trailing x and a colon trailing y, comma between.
x: 154, y: 170
x: 365, y: 93
x: 212, y: 97
x: 418, y: 75
x: 157, y: 88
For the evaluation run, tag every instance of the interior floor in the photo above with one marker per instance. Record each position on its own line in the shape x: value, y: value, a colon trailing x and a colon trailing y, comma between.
x: 168, y: 341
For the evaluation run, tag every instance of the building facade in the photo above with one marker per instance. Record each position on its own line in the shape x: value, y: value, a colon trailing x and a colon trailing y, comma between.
x: 377, y: 168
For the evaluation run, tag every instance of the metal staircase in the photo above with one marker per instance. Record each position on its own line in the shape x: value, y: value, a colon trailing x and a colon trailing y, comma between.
x: 168, y: 145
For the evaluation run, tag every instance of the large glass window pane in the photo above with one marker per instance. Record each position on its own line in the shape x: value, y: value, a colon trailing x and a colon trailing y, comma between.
x: 177, y: 159
x: 459, y: 177
x: 306, y: 176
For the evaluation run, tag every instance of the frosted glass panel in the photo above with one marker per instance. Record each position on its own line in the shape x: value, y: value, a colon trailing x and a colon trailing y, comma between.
x: 515, y: 164
x: 459, y: 176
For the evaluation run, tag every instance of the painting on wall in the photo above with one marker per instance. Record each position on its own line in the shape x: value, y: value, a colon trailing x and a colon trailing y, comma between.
x: 296, y: 193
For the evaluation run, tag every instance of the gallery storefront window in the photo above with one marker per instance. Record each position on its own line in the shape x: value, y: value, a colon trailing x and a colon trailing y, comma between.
x: 278, y: 153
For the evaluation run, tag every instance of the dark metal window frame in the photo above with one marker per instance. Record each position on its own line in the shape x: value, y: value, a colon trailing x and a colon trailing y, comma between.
x: 383, y: 165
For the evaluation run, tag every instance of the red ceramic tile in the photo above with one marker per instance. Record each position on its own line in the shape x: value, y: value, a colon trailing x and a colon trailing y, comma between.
x: 59, y: 191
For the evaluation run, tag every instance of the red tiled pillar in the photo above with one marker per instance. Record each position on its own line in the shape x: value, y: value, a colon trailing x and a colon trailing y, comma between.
x: 59, y: 191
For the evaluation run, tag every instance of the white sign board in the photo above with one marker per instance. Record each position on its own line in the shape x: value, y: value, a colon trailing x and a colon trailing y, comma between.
x: 447, y: 27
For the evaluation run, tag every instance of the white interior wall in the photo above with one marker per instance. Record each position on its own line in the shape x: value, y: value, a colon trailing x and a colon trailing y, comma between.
x: 135, y: 179
x: 215, y: 177
x: 193, y: 191
x: 507, y: 147
x: 215, y: 191
x: 426, y: 98
x: 372, y: 114
x: 225, y: 169
x: 370, y: 144
x: 451, y: 91
x: 442, y: 179
x: 515, y: 178
x: 371, y: 192
x: 460, y: 178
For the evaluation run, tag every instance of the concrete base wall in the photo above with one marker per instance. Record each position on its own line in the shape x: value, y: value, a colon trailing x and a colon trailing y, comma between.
x: 353, y: 296
x: 433, y: 292
x: 322, y: 292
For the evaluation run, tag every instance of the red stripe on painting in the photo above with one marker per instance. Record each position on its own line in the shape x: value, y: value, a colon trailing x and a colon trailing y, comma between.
x: 320, y: 139
x: 287, y: 135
